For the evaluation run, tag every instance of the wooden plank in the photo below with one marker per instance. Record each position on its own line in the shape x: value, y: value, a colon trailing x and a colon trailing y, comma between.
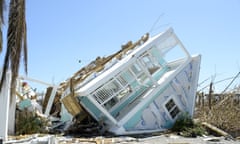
x: 50, y: 101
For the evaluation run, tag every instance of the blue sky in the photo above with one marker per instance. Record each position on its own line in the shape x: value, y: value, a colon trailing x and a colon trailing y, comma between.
x: 61, y: 32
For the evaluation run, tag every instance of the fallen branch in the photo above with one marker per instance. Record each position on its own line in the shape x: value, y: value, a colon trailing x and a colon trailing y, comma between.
x: 216, y: 130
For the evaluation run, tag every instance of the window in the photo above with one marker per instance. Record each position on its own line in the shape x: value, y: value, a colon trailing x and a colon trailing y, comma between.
x: 150, y: 63
x: 136, y: 69
x: 172, y: 108
x: 139, y: 73
x: 112, y: 92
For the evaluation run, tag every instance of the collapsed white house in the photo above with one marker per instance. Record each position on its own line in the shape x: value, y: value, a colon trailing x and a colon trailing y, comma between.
x: 142, y: 88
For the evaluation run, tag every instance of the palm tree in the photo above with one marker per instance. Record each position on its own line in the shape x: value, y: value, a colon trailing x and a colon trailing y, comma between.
x: 16, y: 41
x: 2, y: 5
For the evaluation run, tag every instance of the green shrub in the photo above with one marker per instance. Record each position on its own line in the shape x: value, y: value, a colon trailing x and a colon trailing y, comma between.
x: 29, y: 123
x: 185, y: 126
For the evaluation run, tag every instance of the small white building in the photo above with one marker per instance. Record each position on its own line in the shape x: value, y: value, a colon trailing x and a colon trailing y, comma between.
x: 143, y: 90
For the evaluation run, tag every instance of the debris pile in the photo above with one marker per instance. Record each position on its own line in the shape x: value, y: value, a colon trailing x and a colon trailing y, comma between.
x: 224, y: 115
x: 29, y: 115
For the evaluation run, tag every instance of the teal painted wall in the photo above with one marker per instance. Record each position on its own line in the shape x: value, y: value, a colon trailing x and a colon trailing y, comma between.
x: 91, y: 107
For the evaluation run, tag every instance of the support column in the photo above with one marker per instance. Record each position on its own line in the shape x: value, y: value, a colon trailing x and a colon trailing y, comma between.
x: 4, y: 107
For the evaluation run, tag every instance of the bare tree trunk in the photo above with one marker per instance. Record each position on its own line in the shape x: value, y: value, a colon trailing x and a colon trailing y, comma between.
x: 199, y: 99
x: 210, y: 96
x: 202, y: 99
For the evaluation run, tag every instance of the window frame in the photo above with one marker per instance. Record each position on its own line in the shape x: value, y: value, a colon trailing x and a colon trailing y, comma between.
x: 171, y: 111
